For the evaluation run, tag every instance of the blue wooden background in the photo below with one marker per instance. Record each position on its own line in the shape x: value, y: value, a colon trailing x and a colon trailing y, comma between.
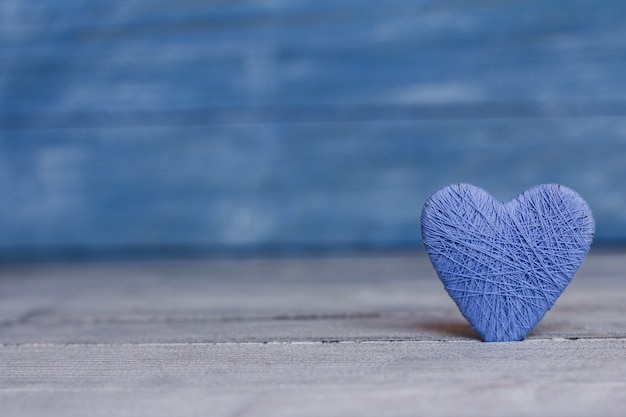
x: 140, y: 126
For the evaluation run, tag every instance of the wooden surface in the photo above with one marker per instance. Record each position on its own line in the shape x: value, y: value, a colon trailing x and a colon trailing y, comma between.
x: 227, y: 125
x: 344, y: 336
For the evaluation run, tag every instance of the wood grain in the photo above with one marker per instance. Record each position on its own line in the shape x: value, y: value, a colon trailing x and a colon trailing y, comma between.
x: 341, y: 379
x: 372, y: 335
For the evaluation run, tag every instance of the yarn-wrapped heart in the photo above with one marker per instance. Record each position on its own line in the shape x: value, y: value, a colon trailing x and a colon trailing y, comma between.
x: 505, y: 263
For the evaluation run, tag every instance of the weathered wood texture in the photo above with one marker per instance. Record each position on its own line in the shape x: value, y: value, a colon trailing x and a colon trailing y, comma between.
x: 227, y: 125
x: 366, y: 336
x: 561, y: 378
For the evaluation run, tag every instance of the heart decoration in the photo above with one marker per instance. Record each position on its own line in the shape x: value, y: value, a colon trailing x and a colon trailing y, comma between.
x: 505, y: 263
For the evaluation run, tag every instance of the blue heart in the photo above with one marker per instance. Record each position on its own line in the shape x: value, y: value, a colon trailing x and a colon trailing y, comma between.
x: 505, y: 263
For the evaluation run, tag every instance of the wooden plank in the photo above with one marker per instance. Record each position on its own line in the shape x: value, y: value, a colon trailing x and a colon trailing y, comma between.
x: 219, y: 288
x: 560, y: 378
x: 313, y: 300
x: 291, y: 186
x: 149, y: 57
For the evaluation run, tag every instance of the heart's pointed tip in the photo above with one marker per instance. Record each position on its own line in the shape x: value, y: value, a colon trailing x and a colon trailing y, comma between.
x: 504, y: 341
x: 503, y: 338
x: 490, y: 334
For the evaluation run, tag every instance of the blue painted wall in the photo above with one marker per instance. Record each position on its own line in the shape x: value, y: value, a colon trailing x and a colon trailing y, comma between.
x: 296, y: 125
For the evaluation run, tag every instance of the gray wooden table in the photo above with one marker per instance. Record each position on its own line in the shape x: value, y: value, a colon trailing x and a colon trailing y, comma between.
x: 346, y: 336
